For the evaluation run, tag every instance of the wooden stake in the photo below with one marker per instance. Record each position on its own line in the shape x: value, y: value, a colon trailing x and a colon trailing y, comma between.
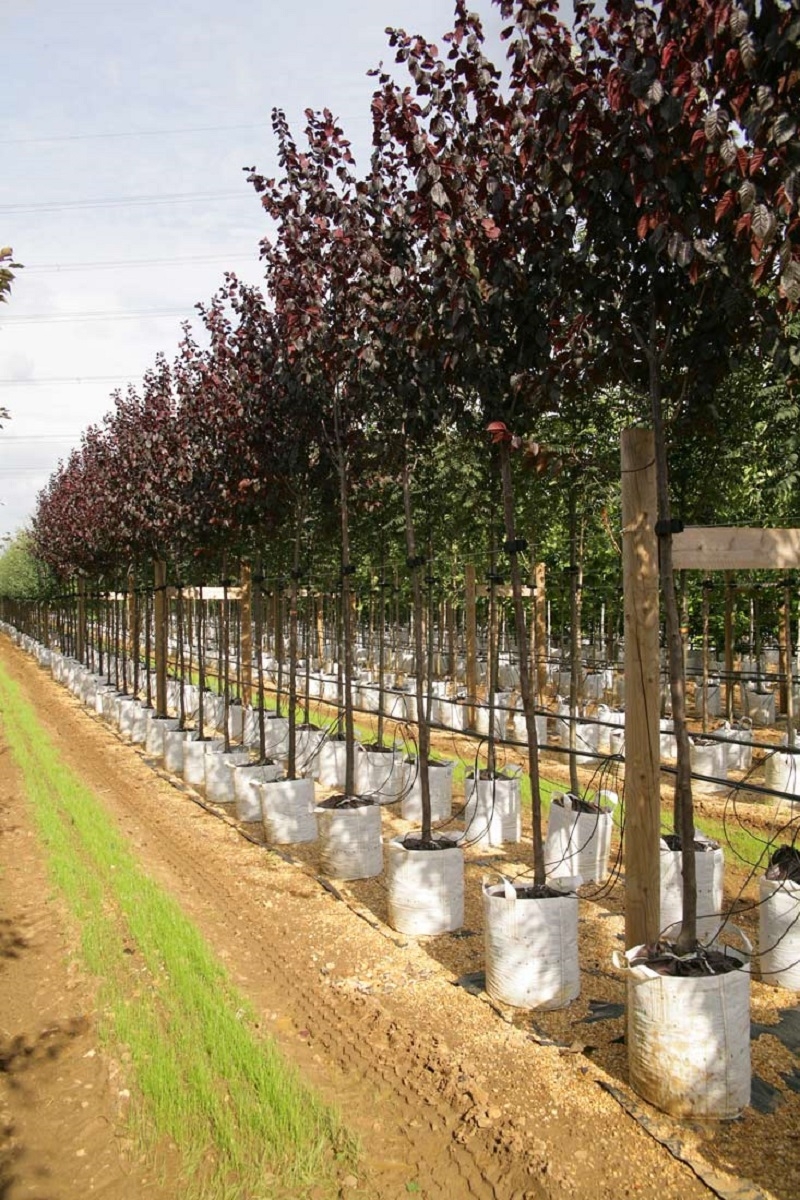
x: 640, y: 594
x: 784, y: 651
x: 246, y: 621
x: 160, y: 648
x: 470, y: 619
x: 790, y: 714
x: 729, y: 684
x: 540, y: 630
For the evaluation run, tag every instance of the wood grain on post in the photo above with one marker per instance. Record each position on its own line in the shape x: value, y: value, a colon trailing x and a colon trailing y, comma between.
x: 784, y: 658
x: 640, y: 595
x: 540, y: 630
x: 730, y: 548
x: 470, y: 622
x: 246, y: 619
x: 729, y: 685
x: 160, y: 647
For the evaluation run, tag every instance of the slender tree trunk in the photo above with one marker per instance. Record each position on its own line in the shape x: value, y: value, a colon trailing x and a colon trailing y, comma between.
x: 200, y: 626
x: 491, y: 661
x: 347, y: 616
x: 279, y: 646
x: 381, y: 651
x: 148, y: 648
x: 224, y: 651
x: 704, y: 680
x: 574, y: 638
x: 307, y: 608
x: 415, y: 564
x: 292, y: 763
x: 683, y: 808
x: 179, y: 629
x: 258, y: 601
x: 246, y: 632
x: 526, y: 693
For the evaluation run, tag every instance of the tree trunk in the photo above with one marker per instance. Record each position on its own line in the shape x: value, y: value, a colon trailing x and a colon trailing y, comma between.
x: 526, y: 695
x: 200, y: 625
x: 415, y: 564
x: 347, y: 616
x: 292, y: 761
x: 683, y: 808
x: 575, y: 588
x: 258, y: 601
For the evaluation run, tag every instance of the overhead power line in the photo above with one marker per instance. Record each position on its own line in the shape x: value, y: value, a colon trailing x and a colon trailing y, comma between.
x: 126, y: 201
x: 118, y: 264
x: 65, y: 318
x: 130, y: 133
x: 48, y: 379
x: 45, y: 470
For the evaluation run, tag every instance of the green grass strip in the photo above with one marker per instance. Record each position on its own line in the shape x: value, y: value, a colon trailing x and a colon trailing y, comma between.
x: 203, y: 1078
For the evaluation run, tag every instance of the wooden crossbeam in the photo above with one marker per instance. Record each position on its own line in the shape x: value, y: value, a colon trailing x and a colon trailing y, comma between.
x: 730, y: 548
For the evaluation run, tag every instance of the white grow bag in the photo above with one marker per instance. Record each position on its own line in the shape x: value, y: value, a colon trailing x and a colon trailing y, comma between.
x: 425, y: 888
x: 351, y: 846
x: 740, y: 748
x: 709, y: 758
x: 689, y: 1039
x: 332, y: 762
x: 156, y: 728
x: 140, y: 725
x: 218, y: 770
x: 759, y: 706
x: 174, y: 742
x: 779, y: 932
x: 308, y: 743
x: 247, y: 795
x: 194, y: 759
x: 492, y: 812
x: 782, y: 772
x: 709, y: 870
x: 440, y: 781
x: 288, y: 811
x: 531, y: 948
x: 521, y: 729
x: 380, y: 774
x: 579, y: 843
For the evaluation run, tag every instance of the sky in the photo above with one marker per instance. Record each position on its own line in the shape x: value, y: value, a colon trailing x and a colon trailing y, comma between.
x: 123, y: 137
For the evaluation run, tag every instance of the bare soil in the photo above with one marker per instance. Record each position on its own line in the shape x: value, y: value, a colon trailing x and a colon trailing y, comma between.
x: 451, y: 1095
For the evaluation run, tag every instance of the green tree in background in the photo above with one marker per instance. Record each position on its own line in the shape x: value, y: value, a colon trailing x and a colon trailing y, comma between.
x: 22, y: 575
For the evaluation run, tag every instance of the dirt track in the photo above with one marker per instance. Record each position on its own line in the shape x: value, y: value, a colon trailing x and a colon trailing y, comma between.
x: 444, y: 1093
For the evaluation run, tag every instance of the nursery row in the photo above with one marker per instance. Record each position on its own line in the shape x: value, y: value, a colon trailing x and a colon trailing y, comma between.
x: 530, y: 941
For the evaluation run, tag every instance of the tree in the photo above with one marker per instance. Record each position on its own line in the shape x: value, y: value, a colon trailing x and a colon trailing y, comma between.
x: 314, y: 275
x: 490, y: 211
x: 22, y: 575
x: 665, y: 302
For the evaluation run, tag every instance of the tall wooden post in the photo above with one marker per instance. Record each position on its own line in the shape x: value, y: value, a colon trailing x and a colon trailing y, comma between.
x: 704, y: 682
x: 246, y: 624
x: 540, y: 630
x: 320, y: 634
x: 160, y: 647
x: 471, y: 630
x: 790, y: 713
x: 730, y: 592
x: 784, y: 650
x: 640, y: 595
